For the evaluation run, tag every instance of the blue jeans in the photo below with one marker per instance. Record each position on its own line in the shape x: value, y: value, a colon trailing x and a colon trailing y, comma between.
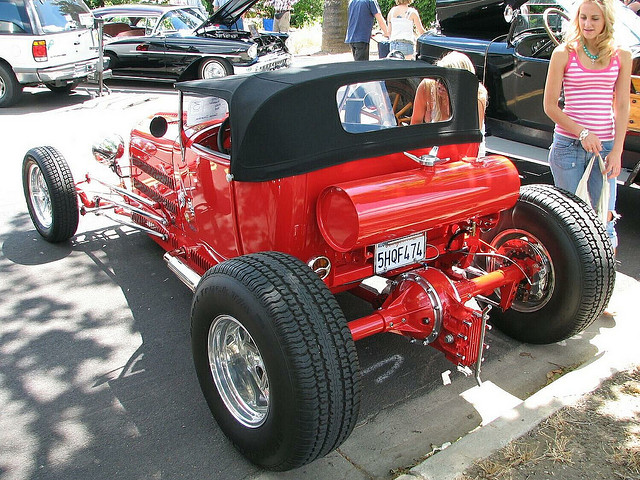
x: 403, y: 46
x: 568, y: 161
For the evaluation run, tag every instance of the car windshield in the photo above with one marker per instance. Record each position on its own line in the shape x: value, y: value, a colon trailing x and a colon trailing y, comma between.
x: 627, y: 28
x: 183, y: 20
x: 62, y: 15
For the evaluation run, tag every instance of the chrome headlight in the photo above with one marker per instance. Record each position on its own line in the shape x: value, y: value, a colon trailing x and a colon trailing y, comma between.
x: 253, y: 51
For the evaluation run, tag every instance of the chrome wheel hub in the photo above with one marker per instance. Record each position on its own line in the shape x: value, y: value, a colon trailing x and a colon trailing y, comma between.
x: 39, y: 195
x: 214, y: 70
x: 238, y: 371
x: 519, y: 244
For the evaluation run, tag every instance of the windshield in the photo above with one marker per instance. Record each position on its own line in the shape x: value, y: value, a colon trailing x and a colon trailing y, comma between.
x: 187, y: 19
x: 627, y: 27
x: 61, y: 15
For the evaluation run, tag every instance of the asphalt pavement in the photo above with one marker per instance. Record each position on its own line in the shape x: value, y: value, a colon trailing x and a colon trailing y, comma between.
x: 96, y: 378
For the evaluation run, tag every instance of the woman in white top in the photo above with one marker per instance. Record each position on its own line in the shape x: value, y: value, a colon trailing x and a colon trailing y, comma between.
x: 431, y: 103
x: 401, y: 21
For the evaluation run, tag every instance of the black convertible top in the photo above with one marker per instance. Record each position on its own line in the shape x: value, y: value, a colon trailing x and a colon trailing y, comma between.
x: 286, y: 122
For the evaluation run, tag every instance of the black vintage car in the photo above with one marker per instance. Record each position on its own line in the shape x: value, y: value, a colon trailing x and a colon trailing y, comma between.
x: 179, y: 43
x: 510, y: 48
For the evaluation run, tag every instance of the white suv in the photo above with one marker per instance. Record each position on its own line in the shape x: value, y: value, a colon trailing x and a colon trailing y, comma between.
x: 45, y: 42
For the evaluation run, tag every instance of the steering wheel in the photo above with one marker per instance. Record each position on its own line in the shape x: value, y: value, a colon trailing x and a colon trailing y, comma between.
x: 547, y: 28
x: 224, y: 132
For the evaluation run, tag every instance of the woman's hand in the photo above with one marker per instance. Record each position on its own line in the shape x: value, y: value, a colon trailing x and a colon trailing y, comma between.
x: 613, y: 164
x: 591, y: 143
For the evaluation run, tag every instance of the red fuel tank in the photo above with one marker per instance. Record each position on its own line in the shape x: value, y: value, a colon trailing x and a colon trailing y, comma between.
x: 363, y: 212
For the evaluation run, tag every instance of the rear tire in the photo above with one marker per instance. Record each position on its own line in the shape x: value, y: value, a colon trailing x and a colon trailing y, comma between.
x: 50, y: 194
x: 580, y: 268
x: 275, y: 359
x: 10, y: 89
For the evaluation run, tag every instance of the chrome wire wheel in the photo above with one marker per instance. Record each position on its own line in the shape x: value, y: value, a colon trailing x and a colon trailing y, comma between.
x: 238, y: 371
x: 40, y: 197
x: 519, y: 244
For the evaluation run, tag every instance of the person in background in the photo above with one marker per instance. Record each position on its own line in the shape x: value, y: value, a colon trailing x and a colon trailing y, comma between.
x: 282, y: 15
x: 431, y: 103
x: 633, y: 5
x: 362, y: 13
x: 403, y: 22
x: 595, y: 75
x: 238, y: 24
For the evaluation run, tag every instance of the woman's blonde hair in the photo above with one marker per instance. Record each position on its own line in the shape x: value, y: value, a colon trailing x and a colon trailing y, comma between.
x: 460, y: 60
x: 605, y: 41
x: 403, y: 2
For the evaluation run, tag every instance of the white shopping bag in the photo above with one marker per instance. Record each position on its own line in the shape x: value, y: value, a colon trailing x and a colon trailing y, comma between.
x: 602, y: 207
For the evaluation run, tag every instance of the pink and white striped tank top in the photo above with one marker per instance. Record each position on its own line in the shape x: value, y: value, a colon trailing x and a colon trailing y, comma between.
x: 588, y: 96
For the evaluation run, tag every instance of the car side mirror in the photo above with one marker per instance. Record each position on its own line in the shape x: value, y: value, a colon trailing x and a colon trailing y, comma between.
x: 158, y: 126
x: 509, y: 13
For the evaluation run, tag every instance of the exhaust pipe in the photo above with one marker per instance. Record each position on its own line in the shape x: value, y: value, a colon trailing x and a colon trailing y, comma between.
x: 182, y: 271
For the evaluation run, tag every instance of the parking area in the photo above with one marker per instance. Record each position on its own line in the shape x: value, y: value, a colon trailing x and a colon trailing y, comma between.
x: 97, y: 379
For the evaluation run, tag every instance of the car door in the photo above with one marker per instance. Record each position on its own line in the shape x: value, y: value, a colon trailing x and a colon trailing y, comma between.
x: 524, y: 83
x: 139, y: 56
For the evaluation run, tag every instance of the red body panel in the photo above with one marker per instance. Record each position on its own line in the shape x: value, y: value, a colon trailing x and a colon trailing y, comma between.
x: 358, y: 213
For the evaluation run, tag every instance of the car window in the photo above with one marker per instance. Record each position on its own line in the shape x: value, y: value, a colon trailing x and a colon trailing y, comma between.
x: 531, y: 17
x: 148, y: 23
x: 378, y: 105
x: 202, y: 110
x: 13, y: 17
x: 62, y: 15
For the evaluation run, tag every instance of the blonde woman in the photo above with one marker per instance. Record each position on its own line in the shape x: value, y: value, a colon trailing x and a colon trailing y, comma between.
x: 595, y: 75
x: 402, y: 20
x: 431, y: 103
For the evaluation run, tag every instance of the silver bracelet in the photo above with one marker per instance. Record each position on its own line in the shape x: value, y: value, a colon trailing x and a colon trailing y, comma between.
x: 583, y: 134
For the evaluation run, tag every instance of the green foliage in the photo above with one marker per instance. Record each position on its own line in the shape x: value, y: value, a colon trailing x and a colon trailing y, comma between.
x: 306, y: 12
x: 426, y: 9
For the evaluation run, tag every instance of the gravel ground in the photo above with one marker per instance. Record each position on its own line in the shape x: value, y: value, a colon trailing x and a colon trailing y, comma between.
x: 597, y: 438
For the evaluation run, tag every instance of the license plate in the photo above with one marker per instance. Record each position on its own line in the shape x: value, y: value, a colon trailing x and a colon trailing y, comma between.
x: 399, y: 253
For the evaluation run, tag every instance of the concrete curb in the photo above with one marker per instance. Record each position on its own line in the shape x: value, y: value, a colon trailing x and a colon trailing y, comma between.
x: 450, y: 463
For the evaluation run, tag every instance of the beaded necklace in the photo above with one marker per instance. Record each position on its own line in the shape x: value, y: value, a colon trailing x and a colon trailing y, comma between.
x: 589, y: 54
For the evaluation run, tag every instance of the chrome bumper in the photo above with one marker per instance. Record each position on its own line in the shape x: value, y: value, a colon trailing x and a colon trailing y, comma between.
x: 273, y: 61
x: 61, y: 73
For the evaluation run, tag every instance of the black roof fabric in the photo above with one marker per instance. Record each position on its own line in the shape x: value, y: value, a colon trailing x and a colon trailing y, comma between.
x: 286, y: 122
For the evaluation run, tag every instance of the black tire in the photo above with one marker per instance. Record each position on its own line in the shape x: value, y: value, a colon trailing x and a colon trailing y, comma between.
x: 286, y: 317
x: 50, y: 194
x: 10, y: 89
x: 580, y: 278
x: 213, y: 68
x: 63, y: 89
x: 110, y: 60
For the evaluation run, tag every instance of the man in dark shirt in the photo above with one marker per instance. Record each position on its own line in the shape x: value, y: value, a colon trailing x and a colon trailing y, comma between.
x: 361, y: 16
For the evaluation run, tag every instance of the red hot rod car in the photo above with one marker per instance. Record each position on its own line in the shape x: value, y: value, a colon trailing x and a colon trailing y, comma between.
x: 272, y: 192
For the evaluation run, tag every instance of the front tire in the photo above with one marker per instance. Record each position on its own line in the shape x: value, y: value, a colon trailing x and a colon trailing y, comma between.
x: 212, y: 68
x: 576, y: 282
x: 275, y: 359
x: 50, y: 194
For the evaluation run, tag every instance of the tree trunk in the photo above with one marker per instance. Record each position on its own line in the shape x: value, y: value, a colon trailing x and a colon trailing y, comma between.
x: 334, y: 26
